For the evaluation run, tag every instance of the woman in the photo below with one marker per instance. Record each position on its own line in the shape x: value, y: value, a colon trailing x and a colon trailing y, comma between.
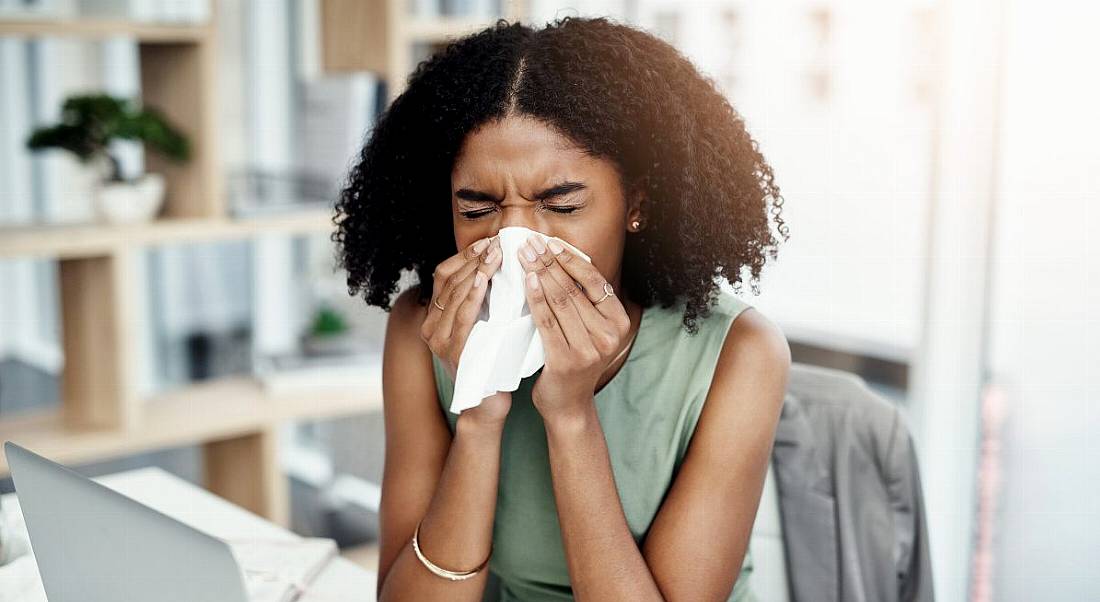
x: 582, y: 482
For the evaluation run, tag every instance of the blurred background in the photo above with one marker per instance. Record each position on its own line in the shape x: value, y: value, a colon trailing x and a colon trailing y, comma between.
x: 168, y: 296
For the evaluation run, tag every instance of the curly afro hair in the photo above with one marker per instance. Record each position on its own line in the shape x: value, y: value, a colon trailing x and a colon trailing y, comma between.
x: 616, y: 91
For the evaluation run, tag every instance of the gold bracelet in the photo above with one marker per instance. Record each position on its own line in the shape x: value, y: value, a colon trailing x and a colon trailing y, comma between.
x: 442, y: 572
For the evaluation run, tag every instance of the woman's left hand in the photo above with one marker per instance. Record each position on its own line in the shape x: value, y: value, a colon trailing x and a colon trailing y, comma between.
x: 580, y: 337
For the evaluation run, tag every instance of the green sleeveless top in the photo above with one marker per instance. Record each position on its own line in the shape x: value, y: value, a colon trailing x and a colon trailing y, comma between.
x: 648, y: 412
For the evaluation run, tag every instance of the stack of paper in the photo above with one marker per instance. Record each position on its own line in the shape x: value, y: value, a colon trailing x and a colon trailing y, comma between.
x: 280, y: 571
x: 299, y: 375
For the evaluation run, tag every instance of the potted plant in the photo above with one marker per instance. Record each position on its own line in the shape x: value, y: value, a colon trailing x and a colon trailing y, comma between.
x: 329, y: 333
x: 88, y: 124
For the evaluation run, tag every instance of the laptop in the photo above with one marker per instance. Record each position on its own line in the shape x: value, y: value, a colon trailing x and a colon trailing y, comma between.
x: 93, y: 544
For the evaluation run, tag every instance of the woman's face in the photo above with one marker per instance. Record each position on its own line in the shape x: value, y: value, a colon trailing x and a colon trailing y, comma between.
x: 520, y: 172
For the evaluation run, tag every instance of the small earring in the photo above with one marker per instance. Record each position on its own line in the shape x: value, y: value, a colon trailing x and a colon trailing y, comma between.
x: 635, y: 224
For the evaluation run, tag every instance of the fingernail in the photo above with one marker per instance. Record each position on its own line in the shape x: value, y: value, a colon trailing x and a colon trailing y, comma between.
x: 532, y: 281
x: 479, y: 278
x: 536, y: 242
x: 555, y: 246
x: 491, y: 255
x: 528, y: 253
x: 480, y: 245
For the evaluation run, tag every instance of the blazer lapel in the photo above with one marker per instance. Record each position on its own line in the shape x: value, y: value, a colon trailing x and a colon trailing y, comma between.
x: 807, y: 505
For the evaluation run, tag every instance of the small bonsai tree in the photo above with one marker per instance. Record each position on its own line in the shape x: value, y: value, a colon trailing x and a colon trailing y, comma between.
x: 89, y: 123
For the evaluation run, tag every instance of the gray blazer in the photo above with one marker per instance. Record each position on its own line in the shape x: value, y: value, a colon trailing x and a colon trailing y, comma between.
x: 849, y: 490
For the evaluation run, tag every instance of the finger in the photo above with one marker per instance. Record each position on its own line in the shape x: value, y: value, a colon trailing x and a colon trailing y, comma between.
x: 441, y: 283
x: 553, y: 341
x: 458, y: 292
x: 589, y: 278
x: 448, y: 267
x: 593, y: 320
x: 471, y: 307
x: 559, y: 299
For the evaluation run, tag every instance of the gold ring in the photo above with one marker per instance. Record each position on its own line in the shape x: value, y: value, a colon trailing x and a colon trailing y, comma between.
x: 436, y: 303
x: 608, y: 291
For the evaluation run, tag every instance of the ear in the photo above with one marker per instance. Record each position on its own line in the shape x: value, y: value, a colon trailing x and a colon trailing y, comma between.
x: 635, y: 199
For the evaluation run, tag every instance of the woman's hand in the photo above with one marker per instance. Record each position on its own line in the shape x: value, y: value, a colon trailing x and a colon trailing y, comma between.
x: 459, y: 287
x: 580, y: 337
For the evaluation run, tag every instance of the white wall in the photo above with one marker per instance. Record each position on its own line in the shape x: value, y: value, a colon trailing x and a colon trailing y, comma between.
x: 1045, y: 332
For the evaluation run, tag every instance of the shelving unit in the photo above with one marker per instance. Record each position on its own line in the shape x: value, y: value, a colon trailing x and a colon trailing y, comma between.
x: 178, y: 72
x: 234, y: 420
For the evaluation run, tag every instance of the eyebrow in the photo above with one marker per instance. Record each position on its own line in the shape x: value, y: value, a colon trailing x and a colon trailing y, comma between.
x: 554, y: 191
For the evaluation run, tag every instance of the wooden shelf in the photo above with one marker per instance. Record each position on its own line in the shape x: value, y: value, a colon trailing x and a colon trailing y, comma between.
x: 222, y: 409
x: 445, y: 28
x: 153, y: 33
x: 89, y: 240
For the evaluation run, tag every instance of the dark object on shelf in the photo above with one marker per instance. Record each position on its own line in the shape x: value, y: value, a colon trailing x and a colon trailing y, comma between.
x: 210, y: 355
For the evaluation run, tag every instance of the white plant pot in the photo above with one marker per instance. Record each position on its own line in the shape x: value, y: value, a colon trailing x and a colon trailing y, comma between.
x: 130, y: 202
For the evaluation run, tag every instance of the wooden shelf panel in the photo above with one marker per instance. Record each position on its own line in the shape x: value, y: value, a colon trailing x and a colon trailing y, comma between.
x: 90, y: 240
x: 154, y: 33
x: 215, y: 410
x: 441, y: 29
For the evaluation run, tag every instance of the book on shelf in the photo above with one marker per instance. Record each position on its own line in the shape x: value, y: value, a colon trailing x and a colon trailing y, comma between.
x: 336, y: 114
x: 455, y: 8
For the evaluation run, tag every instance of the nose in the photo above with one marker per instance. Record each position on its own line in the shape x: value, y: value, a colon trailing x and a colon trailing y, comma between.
x: 518, y: 211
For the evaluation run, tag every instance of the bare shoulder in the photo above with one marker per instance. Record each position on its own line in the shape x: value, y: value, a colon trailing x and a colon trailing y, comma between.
x: 754, y: 363
x: 756, y: 334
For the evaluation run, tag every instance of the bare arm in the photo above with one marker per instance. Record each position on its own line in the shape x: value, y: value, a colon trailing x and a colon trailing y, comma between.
x: 697, y: 542
x: 452, y: 484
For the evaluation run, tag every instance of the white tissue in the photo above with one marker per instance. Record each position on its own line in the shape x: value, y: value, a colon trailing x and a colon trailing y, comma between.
x: 504, y: 345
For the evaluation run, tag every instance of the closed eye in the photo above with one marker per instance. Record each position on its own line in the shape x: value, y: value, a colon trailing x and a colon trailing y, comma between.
x: 474, y: 214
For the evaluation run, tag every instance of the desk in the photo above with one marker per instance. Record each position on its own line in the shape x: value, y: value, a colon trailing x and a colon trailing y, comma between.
x: 340, y: 580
